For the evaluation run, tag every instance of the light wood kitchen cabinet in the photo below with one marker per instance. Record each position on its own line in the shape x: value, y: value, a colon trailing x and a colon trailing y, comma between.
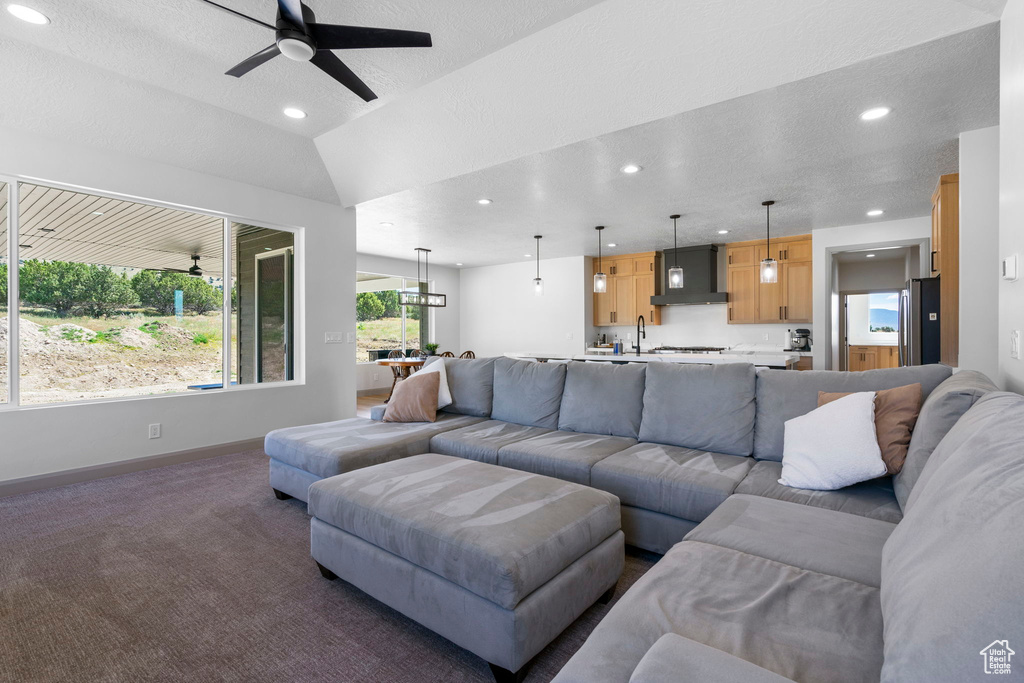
x: 632, y: 280
x: 945, y: 263
x: 743, y: 285
x: 786, y: 301
x: 872, y: 358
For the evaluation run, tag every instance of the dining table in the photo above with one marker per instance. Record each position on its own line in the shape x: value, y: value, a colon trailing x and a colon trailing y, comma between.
x: 406, y: 366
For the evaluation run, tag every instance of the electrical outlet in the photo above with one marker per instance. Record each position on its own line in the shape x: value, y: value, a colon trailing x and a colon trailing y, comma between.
x: 767, y: 336
x: 376, y: 377
x: 568, y: 335
x: 1015, y: 344
x: 350, y: 338
x: 154, y: 431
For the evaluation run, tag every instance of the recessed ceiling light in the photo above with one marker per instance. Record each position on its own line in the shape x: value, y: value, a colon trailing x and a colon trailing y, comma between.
x: 612, y: 244
x: 292, y: 112
x: 528, y: 255
x: 723, y: 232
x: 458, y: 264
x: 875, y: 212
x: 483, y: 201
x: 97, y: 213
x: 870, y: 255
x: 632, y: 168
x: 386, y: 224
x: 28, y: 14
x: 876, y: 113
x: 268, y: 249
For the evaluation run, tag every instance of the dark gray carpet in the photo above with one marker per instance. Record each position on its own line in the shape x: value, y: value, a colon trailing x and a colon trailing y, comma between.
x: 195, y: 572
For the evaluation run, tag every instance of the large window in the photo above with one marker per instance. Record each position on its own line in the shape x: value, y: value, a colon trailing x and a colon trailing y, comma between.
x: 873, y: 318
x: 382, y: 325
x: 119, y: 298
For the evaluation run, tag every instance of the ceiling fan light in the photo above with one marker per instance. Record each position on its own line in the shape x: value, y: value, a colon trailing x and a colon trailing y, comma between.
x: 675, y: 277
x: 298, y: 50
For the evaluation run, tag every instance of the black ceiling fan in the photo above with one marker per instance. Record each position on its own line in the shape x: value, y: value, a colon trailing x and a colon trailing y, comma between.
x: 194, y: 271
x: 299, y: 37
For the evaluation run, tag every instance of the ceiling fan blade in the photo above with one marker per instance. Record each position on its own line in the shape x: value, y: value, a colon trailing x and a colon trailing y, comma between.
x: 336, y: 37
x: 329, y: 63
x: 292, y: 11
x: 239, y: 14
x: 251, y: 63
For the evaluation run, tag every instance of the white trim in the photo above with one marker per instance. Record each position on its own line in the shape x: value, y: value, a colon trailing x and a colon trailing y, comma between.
x: 13, y: 235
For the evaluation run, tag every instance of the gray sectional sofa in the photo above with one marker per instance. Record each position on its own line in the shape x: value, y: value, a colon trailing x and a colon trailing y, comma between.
x: 673, y: 442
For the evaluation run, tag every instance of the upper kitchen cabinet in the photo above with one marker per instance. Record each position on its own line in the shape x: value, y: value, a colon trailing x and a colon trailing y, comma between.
x: 945, y: 263
x: 632, y: 280
x: 786, y: 301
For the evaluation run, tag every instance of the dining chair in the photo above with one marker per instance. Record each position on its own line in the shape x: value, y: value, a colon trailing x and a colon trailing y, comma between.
x: 468, y: 354
x: 396, y: 371
x: 447, y: 354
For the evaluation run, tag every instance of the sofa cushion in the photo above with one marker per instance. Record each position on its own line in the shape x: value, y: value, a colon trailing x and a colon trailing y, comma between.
x: 784, y: 394
x: 528, y: 393
x: 471, y: 383
x: 873, y: 499
x: 836, y: 543
x: 944, y: 406
x: 800, y: 624
x: 565, y: 455
x: 414, y: 399
x: 496, y: 532
x: 674, y: 658
x: 482, y: 440
x: 896, y: 412
x: 331, y: 448
x: 952, y: 570
x: 603, y: 398
x: 681, y: 482
x: 707, y: 407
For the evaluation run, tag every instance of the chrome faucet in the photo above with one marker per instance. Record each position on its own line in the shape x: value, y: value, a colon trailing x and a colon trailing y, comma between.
x: 641, y: 330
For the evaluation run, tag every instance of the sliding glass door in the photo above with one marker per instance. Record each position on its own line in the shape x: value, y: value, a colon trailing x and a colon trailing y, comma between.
x: 274, y: 336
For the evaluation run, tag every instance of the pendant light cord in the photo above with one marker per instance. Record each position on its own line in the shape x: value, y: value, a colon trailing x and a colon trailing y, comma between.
x: 768, y: 229
x: 675, y: 243
x: 538, y: 257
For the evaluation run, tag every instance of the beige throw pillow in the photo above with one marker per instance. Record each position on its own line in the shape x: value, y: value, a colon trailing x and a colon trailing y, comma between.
x: 896, y: 412
x: 414, y: 399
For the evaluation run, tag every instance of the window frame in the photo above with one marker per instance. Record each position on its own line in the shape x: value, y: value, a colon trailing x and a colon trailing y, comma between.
x: 14, y: 182
x: 405, y: 285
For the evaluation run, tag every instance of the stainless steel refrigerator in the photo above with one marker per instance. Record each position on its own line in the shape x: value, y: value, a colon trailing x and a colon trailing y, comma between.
x: 919, y: 322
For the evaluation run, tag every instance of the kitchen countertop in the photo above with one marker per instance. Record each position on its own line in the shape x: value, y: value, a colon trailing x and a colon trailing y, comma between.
x: 773, y: 360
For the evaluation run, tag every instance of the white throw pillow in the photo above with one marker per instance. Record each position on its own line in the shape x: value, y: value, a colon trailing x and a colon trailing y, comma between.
x: 833, y: 446
x: 444, y: 394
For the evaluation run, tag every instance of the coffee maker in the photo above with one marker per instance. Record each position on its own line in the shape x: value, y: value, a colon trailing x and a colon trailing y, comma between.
x: 799, y: 339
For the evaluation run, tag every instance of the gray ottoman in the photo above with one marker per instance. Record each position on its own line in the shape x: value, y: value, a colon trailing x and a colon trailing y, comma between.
x: 496, y: 560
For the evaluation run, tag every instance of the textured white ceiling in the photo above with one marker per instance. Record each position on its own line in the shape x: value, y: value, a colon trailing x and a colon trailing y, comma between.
x: 147, y: 78
x: 801, y: 144
x: 618, y: 64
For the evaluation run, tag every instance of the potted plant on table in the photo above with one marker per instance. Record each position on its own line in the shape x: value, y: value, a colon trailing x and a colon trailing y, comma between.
x: 431, y: 349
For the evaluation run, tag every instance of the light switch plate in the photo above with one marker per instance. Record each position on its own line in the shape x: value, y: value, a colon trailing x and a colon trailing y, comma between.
x: 334, y: 338
x: 933, y: 316
x: 1015, y: 344
x: 1009, y: 271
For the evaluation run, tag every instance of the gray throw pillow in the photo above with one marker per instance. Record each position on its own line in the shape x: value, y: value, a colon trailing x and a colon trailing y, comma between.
x: 528, y: 393
x: 471, y: 381
x: 940, y: 412
x: 603, y: 398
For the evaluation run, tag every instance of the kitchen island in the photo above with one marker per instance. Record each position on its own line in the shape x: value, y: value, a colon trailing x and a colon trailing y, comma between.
x: 779, y: 361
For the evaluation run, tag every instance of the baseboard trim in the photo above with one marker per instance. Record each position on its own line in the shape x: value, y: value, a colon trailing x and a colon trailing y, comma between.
x: 380, y: 391
x: 51, y: 480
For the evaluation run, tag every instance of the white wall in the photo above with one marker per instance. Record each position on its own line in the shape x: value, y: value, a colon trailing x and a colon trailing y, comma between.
x: 500, y: 313
x: 444, y: 324
x: 1011, y: 186
x: 979, y: 251
x: 44, y: 439
x: 872, y: 274
x: 828, y: 241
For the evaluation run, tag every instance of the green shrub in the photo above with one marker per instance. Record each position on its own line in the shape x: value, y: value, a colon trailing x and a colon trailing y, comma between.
x: 3, y: 284
x: 368, y: 306
x: 201, y: 338
x: 155, y: 290
x: 66, y: 287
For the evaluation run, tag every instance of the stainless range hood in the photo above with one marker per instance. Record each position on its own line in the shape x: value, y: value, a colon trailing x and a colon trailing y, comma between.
x: 700, y: 277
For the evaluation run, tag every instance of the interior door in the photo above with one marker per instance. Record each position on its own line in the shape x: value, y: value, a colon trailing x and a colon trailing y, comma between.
x: 274, y: 316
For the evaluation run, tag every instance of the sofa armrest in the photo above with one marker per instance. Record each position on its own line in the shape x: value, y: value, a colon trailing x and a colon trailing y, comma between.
x: 377, y: 412
x: 675, y: 658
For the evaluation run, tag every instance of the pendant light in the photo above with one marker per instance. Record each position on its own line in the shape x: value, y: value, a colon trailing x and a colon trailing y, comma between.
x: 675, y: 273
x: 769, y: 266
x: 600, y: 279
x: 538, y: 284
x: 421, y: 297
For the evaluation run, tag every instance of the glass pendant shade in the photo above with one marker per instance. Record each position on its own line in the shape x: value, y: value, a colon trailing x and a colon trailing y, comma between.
x: 538, y: 287
x: 600, y: 283
x: 675, y: 277
x: 769, y: 271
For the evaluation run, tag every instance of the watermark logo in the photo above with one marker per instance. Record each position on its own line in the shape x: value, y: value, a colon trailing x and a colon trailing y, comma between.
x: 997, y: 657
